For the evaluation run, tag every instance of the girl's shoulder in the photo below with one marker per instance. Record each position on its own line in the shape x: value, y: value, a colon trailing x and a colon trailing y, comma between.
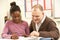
x: 24, y: 22
x: 9, y: 21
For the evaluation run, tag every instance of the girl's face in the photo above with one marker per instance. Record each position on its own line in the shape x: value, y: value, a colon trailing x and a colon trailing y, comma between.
x: 16, y: 17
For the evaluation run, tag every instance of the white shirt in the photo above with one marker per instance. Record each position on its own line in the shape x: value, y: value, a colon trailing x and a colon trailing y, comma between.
x: 38, y: 25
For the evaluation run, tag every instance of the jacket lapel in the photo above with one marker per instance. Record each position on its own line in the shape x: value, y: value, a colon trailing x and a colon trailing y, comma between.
x: 42, y: 27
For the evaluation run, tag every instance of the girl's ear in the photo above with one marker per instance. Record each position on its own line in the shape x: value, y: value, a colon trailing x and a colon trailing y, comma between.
x: 11, y: 14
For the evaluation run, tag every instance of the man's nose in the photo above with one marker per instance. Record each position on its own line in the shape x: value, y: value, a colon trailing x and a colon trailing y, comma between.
x: 35, y: 19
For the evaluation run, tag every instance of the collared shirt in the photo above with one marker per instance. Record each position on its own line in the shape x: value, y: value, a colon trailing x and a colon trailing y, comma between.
x: 38, y: 25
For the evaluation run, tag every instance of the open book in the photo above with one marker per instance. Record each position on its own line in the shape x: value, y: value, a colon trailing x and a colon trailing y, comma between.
x: 34, y: 38
x: 30, y: 38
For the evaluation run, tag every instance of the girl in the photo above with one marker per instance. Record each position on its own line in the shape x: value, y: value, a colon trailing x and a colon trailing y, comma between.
x: 15, y: 27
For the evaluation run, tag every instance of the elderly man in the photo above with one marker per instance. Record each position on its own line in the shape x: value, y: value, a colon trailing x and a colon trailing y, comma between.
x: 41, y: 25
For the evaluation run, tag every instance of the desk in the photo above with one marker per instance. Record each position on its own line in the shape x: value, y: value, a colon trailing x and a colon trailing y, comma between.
x: 34, y: 38
x: 29, y: 38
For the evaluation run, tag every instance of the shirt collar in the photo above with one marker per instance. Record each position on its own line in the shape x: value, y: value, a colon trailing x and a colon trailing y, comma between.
x: 42, y: 20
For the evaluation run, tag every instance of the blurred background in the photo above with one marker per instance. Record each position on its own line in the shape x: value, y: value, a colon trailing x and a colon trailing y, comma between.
x: 51, y: 9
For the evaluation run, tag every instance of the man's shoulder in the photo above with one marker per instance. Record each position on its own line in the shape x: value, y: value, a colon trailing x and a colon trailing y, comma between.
x: 48, y: 19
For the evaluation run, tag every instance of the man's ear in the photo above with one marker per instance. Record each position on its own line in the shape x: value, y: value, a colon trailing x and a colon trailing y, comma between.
x: 42, y: 13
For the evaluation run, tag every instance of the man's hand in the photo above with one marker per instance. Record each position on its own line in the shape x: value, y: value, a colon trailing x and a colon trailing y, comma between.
x: 14, y: 36
x: 34, y: 33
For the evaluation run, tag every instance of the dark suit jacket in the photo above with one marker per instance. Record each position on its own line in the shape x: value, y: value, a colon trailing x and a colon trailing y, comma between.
x: 47, y: 29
